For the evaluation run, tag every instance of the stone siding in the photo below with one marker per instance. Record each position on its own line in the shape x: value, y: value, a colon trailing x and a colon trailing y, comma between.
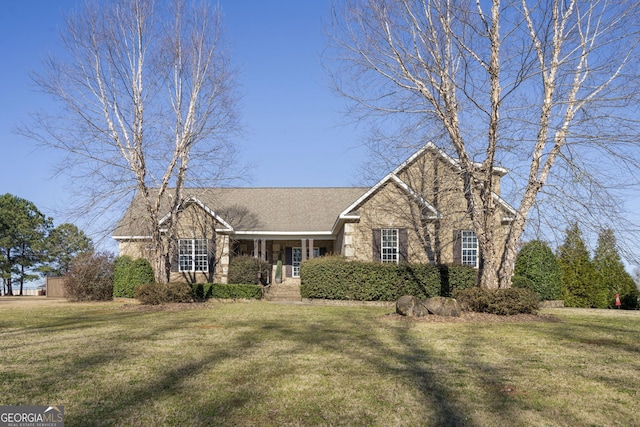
x: 429, y: 239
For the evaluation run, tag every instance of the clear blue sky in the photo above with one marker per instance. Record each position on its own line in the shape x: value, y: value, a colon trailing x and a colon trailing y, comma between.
x: 295, y: 133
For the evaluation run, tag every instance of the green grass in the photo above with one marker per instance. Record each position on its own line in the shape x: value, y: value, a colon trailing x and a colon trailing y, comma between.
x: 261, y: 364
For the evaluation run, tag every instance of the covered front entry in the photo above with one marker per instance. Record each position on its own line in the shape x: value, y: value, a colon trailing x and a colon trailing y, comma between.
x: 291, y: 252
x: 297, y: 258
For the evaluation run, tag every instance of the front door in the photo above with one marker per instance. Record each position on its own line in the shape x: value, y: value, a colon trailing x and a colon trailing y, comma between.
x: 296, y: 259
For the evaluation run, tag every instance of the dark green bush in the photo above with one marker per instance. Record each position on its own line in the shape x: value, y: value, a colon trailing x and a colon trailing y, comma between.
x: 522, y: 282
x: 203, y: 291
x: 121, y: 268
x: 631, y: 300
x: 237, y: 291
x: 90, y: 278
x: 339, y: 279
x: 536, y: 262
x: 142, y: 272
x: 245, y: 269
x: 164, y: 293
x: 128, y: 274
x: 498, y: 301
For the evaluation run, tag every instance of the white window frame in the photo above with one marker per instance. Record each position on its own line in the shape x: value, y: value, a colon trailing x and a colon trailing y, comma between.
x: 469, y: 249
x: 193, y: 256
x: 296, y: 259
x: 389, y: 245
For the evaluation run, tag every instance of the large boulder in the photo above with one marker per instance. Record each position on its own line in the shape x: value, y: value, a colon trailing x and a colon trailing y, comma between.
x: 411, y: 306
x: 442, y: 306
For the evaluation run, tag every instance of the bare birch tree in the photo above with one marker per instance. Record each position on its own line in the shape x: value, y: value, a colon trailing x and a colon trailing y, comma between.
x: 548, y: 89
x: 148, y: 104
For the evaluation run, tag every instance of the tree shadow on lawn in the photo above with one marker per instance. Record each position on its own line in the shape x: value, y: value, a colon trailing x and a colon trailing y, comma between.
x: 413, y: 362
x: 97, y: 343
x: 497, y: 381
x: 139, y: 403
x: 415, y: 367
x: 395, y: 353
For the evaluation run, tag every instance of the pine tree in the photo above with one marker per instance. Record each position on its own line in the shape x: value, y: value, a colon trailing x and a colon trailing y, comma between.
x: 536, y: 262
x: 612, y: 275
x: 579, y: 276
x: 63, y: 245
x: 23, y: 229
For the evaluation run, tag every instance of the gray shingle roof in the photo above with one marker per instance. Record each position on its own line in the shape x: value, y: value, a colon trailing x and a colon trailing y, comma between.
x: 293, y: 209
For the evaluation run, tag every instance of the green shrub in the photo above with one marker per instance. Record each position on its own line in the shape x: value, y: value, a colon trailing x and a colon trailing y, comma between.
x: 537, y: 263
x: 245, y: 269
x: 236, y: 291
x: 164, y: 293
x: 203, y: 291
x: 128, y: 274
x: 336, y: 278
x: 121, y: 269
x: 90, y: 278
x: 522, y: 282
x: 630, y: 300
x: 498, y: 301
x: 142, y: 272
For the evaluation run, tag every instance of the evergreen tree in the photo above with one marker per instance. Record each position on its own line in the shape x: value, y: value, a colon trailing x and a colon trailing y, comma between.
x: 64, y: 244
x: 536, y: 262
x: 612, y: 275
x: 23, y: 229
x: 579, y: 276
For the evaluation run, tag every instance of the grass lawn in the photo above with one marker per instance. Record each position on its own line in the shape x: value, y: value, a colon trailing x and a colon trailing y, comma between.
x: 263, y: 364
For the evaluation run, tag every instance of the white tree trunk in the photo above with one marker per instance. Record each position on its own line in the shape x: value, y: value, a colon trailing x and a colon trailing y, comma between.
x: 145, y: 90
x: 469, y: 76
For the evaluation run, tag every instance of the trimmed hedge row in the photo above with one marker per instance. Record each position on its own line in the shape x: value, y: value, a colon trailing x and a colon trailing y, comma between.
x: 336, y: 278
x: 154, y: 294
x: 183, y: 292
x: 203, y: 291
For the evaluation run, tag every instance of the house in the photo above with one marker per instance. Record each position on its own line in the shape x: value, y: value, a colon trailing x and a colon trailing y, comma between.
x: 417, y: 213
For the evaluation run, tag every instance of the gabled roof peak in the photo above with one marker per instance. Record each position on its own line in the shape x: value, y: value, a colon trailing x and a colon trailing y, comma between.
x: 394, y: 177
x: 450, y: 160
x: 193, y: 199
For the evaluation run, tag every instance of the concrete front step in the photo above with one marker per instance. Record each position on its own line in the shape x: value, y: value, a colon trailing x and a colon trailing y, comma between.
x: 283, y: 292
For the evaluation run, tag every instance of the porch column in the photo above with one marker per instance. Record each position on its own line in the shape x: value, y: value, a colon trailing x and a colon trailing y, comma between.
x: 224, y: 258
x: 311, y: 248
x: 255, y: 248
x: 263, y: 248
x: 303, y: 244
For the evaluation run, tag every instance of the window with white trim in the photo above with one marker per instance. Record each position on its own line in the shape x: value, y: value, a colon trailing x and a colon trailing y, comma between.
x: 469, y: 247
x: 389, y: 245
x: 193, y: 255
